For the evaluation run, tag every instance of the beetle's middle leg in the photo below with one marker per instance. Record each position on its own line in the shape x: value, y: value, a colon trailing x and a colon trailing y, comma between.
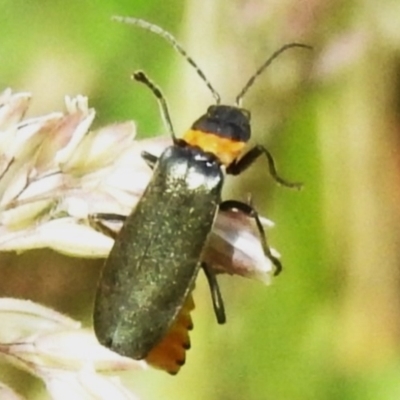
x: 96, y: 222
x: 250, y: 211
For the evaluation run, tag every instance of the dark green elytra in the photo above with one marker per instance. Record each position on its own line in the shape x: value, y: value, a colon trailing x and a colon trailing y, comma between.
x: 152, y: 267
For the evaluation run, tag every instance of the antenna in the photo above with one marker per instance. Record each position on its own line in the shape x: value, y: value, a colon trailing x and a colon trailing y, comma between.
x: 140, y: 76
x: 266, y: 64
x: 175, y: 44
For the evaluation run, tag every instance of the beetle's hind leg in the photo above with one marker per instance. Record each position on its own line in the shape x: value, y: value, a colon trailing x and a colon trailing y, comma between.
x: 251, y: 212
x: 218, y: 302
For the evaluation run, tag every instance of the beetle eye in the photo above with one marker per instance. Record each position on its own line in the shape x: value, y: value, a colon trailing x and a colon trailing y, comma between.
x: 211, y: 110
x: 246, y: 113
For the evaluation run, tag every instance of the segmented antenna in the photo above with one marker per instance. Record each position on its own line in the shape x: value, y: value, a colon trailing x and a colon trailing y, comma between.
x: 260, y: 70
x: 175, y: 44
x: 140, y: 76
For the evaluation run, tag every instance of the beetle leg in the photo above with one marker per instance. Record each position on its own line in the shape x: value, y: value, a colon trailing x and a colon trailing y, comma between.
x: 150, y: 159
x: 244, y: 162
x: 217, y: 300
x: 95, y: 221
x: 250, y: 211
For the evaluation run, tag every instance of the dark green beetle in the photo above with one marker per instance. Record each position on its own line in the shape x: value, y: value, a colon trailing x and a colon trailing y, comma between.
x: 157, y: 254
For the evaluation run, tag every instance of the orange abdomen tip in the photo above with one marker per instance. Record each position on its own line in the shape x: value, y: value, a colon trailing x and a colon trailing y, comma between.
x: 170, y: 354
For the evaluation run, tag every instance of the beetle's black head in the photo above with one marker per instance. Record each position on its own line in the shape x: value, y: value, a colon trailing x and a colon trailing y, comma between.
x: 225, y: 121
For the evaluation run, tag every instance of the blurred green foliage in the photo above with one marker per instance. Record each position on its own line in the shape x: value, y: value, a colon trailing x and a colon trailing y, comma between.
x: 328, y: 327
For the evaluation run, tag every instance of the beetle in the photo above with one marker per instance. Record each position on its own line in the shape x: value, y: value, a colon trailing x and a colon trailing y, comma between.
x: 147, y: 279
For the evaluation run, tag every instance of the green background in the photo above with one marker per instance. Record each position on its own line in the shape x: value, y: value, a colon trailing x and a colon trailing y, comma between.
x: 328, y: 327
